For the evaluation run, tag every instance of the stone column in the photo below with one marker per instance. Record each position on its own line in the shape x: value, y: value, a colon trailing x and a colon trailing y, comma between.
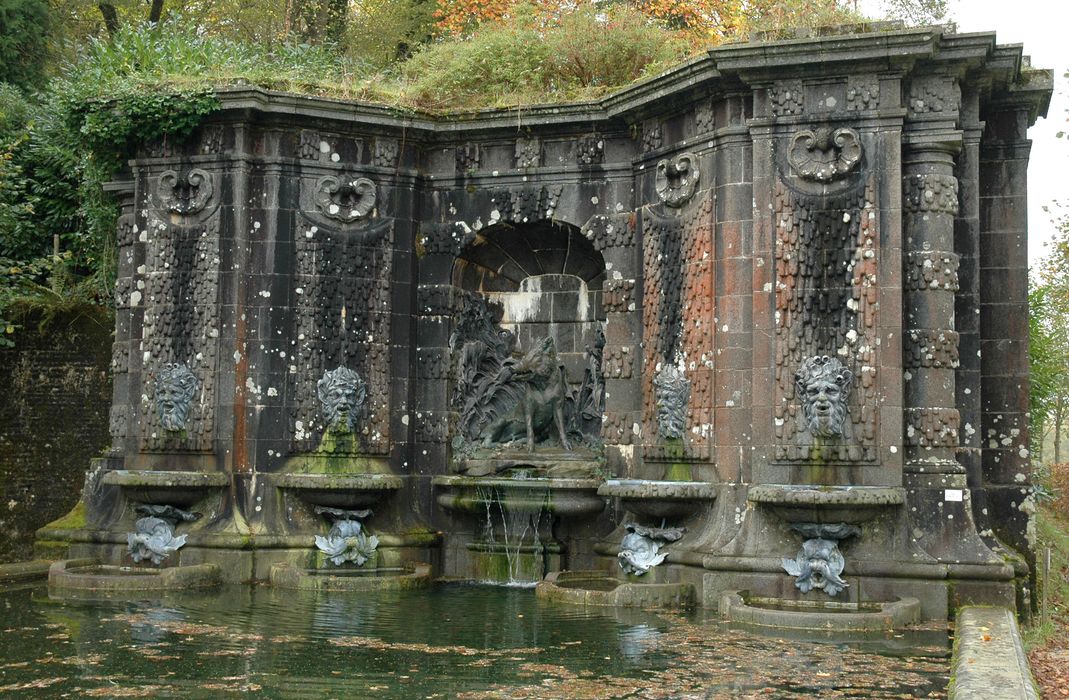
x: 938, y: 496
x: 930, y: 202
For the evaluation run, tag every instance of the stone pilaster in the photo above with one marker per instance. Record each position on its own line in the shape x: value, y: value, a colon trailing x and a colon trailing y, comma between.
x: 930, y: 280
x: 939, y: 499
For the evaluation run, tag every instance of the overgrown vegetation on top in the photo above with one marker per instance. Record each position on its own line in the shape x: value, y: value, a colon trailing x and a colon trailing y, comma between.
x: 62, y: 138
x: 526, y: 60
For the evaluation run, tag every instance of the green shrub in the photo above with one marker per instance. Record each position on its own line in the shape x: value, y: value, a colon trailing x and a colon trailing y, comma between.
x: 518, y: 61
x: 24, y: 27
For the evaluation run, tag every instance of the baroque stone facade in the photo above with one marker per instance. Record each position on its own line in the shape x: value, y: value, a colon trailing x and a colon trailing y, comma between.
x: 744, y: 275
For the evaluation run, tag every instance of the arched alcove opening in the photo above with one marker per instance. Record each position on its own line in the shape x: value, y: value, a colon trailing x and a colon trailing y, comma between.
x: 547, y: 278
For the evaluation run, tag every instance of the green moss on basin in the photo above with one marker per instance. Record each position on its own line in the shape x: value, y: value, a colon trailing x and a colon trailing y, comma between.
x: 74, y: 520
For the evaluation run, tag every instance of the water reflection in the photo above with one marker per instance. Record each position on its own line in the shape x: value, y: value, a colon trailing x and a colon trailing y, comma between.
x: 452, y: 641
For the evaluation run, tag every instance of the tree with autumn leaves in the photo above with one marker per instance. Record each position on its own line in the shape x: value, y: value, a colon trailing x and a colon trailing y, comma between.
x: 709, y: 21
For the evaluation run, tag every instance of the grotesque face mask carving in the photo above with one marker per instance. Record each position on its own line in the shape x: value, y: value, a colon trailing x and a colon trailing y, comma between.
x: 818, y: 566
x: 175, y: 387
x: 823, y: 385
x: 342, y: 392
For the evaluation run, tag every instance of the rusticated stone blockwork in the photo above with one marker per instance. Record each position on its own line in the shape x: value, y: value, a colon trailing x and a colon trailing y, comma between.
x: 751, y: 272
x: 827, y: 303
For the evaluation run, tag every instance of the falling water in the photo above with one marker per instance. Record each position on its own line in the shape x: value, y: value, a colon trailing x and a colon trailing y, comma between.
x: 514, y: 533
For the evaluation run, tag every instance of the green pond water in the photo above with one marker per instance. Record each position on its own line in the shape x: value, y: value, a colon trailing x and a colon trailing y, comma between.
x: 450, y: 641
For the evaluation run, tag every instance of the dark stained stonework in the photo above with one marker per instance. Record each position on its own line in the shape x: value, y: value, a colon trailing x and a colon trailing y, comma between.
x: 859, y: 197
x: 53, y: 419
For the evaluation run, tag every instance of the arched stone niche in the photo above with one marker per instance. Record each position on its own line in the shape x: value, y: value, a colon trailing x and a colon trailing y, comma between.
x: 547, y: 278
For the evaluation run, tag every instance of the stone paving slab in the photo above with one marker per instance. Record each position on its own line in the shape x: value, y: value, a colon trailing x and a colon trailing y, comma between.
x: 989, y: 659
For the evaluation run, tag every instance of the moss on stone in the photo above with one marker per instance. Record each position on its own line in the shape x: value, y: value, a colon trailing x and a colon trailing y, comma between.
x: 678, y: 470
x: 51, y: 549
x: 74, y: 520
x: 341, y: 464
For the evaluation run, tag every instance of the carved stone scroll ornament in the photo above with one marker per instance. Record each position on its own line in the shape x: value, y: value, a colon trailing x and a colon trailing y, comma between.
x: 186, y: 193
x: 174, y: 390
x: 153, y: 537
x: 671, y: 390
x: 343, y: 199
x: 819, y: 564
x: 640, y: 549
x: 823, y: 385
x: 346, y: 540
x: 677, y: 179
x: 341, y: 392
x: 824, y: 155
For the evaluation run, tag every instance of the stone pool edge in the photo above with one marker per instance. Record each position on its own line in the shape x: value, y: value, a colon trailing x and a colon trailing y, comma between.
x: 989, y: 659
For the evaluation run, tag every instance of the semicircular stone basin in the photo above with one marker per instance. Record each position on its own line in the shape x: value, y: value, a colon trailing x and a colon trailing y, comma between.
x: 561, y: 497
x: 660, y: 499
x: 401, y: 578
x: 827, y: 504
x: 598, y: 588
x: 349, y: 491
x: 829, y: 615
x: 181, y: 489
x: 94, y: 576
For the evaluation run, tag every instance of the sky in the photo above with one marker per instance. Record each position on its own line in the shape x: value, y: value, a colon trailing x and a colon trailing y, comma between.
x: 1040, y: 26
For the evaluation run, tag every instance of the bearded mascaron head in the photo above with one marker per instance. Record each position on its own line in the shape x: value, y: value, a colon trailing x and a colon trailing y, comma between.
x: 342, y: 393
x: 175, y: 387
x: 823, y: 386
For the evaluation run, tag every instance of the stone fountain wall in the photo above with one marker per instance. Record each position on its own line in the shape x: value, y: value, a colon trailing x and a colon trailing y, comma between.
x: 859, y: 197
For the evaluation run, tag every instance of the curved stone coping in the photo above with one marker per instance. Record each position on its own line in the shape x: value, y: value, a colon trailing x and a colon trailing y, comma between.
x: 176, y: 488
x: 644, y: 489
x: 77, y: 574
x: 408, y: 577
x: 858, y: 496
x: 339, y: 482
x: 989, y: 659
x: 532, y: 484
x: 34, y: 570
x: 737, y: 606
x: 124, y: 478
x: 472, y: 494
x: 347, y: 491
x: 598, y: 588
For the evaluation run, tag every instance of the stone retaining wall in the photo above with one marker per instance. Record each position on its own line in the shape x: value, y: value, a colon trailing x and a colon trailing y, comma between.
x: 55, y: 391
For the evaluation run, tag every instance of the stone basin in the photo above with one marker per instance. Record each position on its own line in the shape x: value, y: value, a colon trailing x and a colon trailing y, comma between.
x: 741, y: 607
x: 826, y: 504
x: 401, y: 578
x: 660, y: 499
x: 181, y: 489
x: 347, y: 491
x: 561, y: 497
x: 94, y: 576
x: 598, y: 588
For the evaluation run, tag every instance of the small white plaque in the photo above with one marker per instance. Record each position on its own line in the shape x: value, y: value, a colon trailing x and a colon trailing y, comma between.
x: 953, y: 495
